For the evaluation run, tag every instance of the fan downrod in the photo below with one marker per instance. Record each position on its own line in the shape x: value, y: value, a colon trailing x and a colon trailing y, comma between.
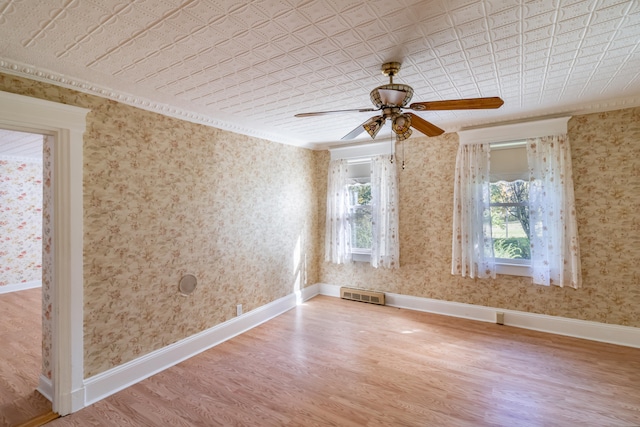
x: 390, y: 69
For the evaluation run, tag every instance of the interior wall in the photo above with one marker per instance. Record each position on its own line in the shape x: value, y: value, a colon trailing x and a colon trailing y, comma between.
x: 20, y: 220
x: 164, y: 197
x: 606, y: 162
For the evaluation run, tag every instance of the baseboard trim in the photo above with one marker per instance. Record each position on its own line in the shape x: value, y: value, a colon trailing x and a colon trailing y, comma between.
x: 45, y: 387
x: 109, y: 382
x: 613, y: 334
x: 14, y: 287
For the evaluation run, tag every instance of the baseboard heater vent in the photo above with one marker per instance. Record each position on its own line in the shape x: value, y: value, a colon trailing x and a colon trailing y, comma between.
x: 362, y: 295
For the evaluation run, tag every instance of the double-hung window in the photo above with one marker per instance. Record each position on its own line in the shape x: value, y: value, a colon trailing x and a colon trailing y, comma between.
x: 509, y: 204
x: 360, y: 213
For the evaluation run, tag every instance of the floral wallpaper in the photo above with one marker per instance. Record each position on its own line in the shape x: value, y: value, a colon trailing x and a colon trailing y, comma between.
x: 20, y: 220
x: 606, y: 161
x: 164, y: 197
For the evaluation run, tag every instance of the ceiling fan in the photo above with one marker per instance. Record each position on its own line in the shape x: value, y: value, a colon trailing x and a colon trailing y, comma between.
x: 392, y: 98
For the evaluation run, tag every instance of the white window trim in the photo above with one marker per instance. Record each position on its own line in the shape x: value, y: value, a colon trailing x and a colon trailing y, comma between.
x: 362, y: 151
x: 514, y: 132
x: 513, y: 267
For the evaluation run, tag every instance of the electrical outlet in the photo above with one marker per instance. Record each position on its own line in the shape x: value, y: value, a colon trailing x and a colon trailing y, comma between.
x: 238, y: 309
x: 500, y: 318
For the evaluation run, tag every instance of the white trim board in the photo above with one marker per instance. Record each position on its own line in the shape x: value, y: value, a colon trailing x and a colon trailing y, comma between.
x: 45, y: 387
x: 595, y: 331
x: 109, y: 382
x: 514, y: 131
x: 15, y: 287
x: 360, y: 151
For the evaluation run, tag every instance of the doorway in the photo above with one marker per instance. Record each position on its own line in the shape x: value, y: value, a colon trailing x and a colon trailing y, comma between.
x: 63, y: 126
x: 21, y: 214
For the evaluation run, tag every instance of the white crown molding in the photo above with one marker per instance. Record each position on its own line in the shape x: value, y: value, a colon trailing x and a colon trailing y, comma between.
x: 9, y: 66
x: 23, y: 70
x: 594, y: 331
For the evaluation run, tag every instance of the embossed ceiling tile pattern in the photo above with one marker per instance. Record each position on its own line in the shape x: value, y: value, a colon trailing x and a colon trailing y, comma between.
x: 251, y: 66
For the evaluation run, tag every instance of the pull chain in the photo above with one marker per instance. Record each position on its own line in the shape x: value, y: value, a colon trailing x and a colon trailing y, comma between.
x: 391, y: 142
x: 403, y: 142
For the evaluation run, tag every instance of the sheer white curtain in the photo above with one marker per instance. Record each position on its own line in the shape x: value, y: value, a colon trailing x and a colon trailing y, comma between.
x: 472, y: 253
x: 338, y: 226
x: 555, y: 253
x: 385, y: 248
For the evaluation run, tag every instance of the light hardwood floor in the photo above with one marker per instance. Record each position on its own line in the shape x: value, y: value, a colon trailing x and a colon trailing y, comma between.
x: 20, y: 357
x: 332, y: 362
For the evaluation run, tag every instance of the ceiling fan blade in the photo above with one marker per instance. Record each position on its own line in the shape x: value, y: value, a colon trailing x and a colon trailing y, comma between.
x: 355, y: 132
x: 459, y: 104
x: 424, y: 126
x: 322, y: 113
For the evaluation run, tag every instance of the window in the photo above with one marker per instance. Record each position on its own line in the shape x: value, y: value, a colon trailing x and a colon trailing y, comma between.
x: 362, y: 206
x: 509, y: 204
x: 360, y: 214
x: 510, y: 220
x: 489, y: 185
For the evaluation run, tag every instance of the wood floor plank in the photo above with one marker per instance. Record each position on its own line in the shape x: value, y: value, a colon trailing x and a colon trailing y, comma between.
x: 20, y: 357
x: 331, y: 362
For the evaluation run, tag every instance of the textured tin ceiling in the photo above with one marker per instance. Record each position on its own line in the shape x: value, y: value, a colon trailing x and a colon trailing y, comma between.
x: 250, y: 66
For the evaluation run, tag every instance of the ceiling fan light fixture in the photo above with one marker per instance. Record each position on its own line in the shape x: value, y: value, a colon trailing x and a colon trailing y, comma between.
x: 373, y: 125
x: 391, y: 95
x: 401, y: 123
x: 393, y: 98
x: 404, y: 135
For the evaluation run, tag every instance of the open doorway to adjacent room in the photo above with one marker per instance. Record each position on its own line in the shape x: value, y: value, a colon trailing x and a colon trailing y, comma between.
x: 21, y: 248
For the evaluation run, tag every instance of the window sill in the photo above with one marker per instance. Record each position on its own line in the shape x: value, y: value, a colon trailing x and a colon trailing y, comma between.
x: 361, y: 256
x: 513, y: 269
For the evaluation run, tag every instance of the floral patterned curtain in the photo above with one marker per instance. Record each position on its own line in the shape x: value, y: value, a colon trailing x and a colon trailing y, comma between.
x: 472, y: 253
x: 338, y: 226
x: 385, y: 248
x: 555, y: 252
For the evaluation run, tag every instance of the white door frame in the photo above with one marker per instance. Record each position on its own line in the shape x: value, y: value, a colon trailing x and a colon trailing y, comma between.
x: 66, y: 124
